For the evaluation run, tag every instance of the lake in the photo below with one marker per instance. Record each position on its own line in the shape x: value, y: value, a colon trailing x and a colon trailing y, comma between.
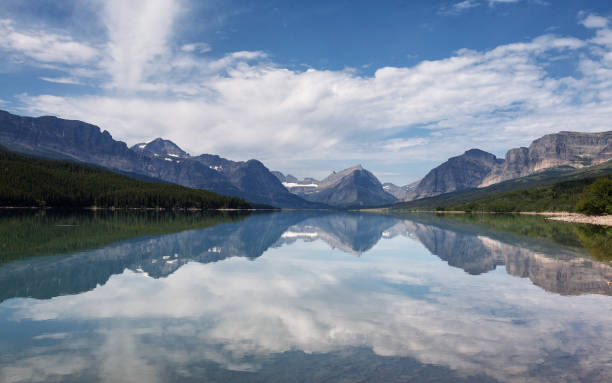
x: 302, y: 297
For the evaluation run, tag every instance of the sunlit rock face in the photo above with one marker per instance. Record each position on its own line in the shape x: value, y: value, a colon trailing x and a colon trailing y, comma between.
x: 562, y: 149
x: 476, y: 168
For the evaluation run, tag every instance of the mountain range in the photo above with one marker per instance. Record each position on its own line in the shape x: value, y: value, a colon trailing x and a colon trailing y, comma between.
x: 476, y: 168
x: 350, y: 188
x: 354, y: 187
x: 56, y: 138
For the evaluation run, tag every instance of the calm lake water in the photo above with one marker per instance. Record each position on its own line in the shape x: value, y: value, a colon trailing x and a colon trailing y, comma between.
x: 302, y: 297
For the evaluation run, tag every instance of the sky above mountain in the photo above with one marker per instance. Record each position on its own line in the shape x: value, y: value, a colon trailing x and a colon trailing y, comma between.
x: 313, y: 86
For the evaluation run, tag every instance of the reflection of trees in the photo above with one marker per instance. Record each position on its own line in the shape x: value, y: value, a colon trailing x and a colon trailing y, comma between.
x: 479, y: 244
x: 597, y: 240
x: 25, y: 234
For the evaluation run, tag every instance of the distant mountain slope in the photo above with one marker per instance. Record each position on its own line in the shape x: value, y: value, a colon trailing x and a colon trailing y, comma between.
x: 26, y: 181
x: 401, y: 193
x: 462, y: 172
x: 476, y: 168
x: 543, y: 178
x: 300, y: 187
x: 56, y: 138
x: 352, y: 187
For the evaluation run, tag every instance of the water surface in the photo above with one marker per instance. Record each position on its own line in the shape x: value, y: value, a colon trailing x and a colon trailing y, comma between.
x: 301, y: 297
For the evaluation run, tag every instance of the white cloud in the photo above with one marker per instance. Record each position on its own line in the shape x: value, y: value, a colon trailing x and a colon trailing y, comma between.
x: 61, y: 80
x: 45, y: 47
x: 243, y: 106
x: 139, y: 34
x: 595, y: 21
x: 458, y: 8
x: 398, y: 144
x: 465, y: 4
x: 196, y: 47
x: 495, y: 2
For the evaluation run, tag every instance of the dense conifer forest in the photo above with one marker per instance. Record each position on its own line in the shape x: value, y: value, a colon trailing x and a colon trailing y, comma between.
x: 35, y: 182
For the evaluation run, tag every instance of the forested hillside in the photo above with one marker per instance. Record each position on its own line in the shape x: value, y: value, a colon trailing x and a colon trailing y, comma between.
x: 28, y: 181
x: 563, y: 196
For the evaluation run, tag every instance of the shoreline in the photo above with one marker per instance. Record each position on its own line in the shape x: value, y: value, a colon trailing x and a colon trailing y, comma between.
x: 564, y: 216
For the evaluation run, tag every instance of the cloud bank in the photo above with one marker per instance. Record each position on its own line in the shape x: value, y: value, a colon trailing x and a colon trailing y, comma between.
x: 244, y: 105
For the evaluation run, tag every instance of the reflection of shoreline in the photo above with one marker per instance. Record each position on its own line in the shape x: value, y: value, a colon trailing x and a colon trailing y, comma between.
x: 563, y: 216
x: 472, y: 247
x: 560, y: 269
x: 603, y: 220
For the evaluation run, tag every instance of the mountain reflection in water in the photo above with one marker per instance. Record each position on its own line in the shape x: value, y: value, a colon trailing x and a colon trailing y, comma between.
x: 309, y: 296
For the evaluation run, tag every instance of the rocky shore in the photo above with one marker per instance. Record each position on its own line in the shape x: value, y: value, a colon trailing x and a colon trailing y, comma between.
x: 604, y: 220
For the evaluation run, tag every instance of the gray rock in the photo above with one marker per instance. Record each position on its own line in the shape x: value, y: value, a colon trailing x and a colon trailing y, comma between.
x: 462, y: 172
x: 160, y: 148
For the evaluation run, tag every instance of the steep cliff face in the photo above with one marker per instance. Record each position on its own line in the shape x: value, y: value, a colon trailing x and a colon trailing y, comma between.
x: 67, y: 139
x: 462, y: 172
x: 561, y: 149
x: 476, y: 168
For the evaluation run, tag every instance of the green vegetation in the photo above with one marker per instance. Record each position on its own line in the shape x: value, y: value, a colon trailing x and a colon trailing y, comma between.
x: 557, y: 189
x: 28, y: 181
x: 35, y: 233
x: 597, y: 197
x: 597, y: 240
x: 530, y: 226
x: 563, y: 196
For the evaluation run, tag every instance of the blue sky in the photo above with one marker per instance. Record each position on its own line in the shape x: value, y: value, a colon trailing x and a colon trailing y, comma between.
x: 310, y: 87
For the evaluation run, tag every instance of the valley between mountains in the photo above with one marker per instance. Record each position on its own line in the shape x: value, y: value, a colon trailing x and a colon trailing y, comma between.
x: 550, y: 159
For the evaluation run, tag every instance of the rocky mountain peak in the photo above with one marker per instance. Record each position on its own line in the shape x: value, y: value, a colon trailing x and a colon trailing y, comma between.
x: 477, y: 153
x: 160, y: 148
x: 336, y: 177
x: 351, y: 187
